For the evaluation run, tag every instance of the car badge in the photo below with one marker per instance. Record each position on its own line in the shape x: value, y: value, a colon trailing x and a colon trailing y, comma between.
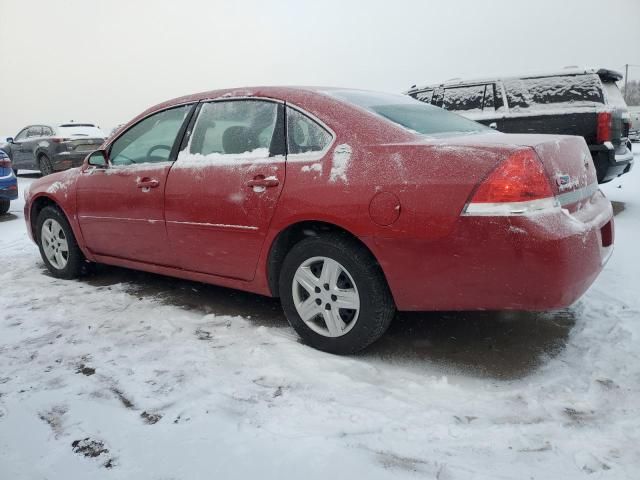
x: 565, y: 182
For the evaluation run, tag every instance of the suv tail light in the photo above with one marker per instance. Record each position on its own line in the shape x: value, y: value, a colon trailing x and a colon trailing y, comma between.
x: 517, y: 186
x: 5, y: 162
x: 604, y: 127
x: 59, y: 140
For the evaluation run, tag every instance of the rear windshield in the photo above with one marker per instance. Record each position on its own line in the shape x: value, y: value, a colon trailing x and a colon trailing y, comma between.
x: 79, y: 131
x: 614, y: 95
x: 410, y: 113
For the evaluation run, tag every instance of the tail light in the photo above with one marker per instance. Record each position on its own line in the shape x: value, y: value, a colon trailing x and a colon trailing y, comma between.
x: 5, y: 162
x: 59, y: 140
x: 518, y: 185
x: 604, y: 127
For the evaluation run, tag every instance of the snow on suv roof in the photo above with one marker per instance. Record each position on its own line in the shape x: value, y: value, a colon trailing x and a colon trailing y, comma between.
x: 604, y: 73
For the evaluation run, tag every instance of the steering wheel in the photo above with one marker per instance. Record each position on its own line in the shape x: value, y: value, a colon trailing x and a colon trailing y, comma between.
x: 156, y: 147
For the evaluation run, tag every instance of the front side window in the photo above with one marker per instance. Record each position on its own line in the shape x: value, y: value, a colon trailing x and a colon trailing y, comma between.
x: 304, y: 135
x: 234, y: 127
x: 150, y: 140
x: 23, y: 134
x: 464, y: 98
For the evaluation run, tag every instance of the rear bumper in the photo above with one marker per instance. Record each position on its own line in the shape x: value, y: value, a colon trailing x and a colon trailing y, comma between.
x: 8, y: 187
x: 543, y: 261
x: 67, y: 160
x: 611, y: 162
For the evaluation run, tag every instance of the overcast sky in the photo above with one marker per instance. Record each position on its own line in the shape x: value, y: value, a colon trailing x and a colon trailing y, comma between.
x: 107, y: 60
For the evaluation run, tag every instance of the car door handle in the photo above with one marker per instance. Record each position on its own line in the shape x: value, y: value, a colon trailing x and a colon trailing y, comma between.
x: 261, y: 181
x: 147, y: 183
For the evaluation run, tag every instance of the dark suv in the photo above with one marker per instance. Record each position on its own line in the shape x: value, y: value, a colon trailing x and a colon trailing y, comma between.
x: 574, y: 101
x: 50, y: 148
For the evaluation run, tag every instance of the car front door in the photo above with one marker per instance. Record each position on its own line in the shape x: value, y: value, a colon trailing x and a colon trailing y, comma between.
x: 121, y: 207
x: 18, y: 158
x: 223, y: 189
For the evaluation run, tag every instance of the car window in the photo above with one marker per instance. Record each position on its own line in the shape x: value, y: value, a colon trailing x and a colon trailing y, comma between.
x: 304, y: 135
x: 614, y: 95
x: 464, y: 98
x: 47, y: 132
x: 34, y: 132
x: 488, y: 104
x: 234, y: 127
x: 573, y: 89
x: 150, y: 140
x: 410, y: 113
x: 424, y: 96
x: 23, y: 134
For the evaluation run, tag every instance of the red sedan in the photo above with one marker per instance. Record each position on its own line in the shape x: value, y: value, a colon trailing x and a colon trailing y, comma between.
x: 346, y: 204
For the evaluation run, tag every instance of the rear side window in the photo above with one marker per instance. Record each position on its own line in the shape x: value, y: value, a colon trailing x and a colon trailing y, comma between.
x: 425, y: 96
x: 563, y: 89
x: 47, y: 132
x: 464, y: 98
x: 34, y: 132
x: 304, y: 135
x: 234, y: 127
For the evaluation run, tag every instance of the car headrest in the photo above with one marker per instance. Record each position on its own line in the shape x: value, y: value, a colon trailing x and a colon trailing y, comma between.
x: 237, y: 139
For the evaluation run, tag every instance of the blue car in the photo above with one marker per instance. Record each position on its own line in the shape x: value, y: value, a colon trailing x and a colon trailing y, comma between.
x: 8, y: 183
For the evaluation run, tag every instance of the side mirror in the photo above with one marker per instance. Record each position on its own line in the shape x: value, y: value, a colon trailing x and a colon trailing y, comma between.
x: 98, y: 159
x: 9, y: 139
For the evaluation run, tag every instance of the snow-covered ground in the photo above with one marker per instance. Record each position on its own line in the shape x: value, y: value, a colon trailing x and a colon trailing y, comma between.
x: 135, y: 376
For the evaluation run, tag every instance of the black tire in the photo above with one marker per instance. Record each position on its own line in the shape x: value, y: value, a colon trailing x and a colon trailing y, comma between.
x: 377, y: 308
x: 76, y: 263
x: 15, y: 172
x: 4, y: 206
x: 45, y: 165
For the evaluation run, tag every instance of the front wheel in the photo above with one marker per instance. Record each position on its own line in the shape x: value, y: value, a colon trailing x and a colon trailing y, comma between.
x: 334, y: 294
x: 58, y: 246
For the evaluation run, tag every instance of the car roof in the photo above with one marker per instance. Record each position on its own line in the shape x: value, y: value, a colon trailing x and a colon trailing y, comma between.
x: 603, y: 73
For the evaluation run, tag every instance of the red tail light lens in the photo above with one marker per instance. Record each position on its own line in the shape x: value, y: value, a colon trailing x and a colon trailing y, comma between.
x: 519, y: 178
x: 5, y: 162
x: 604, y: 127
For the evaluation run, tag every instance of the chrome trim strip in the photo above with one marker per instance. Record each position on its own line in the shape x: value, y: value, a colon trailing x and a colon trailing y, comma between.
x: 145, y: 220
x: 577, y: 195
x: 510, y: 208
x: 531, y: 206
x: 216, y: 225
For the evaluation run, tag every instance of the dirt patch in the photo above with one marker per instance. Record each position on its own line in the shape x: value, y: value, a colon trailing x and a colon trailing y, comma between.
x: 123, y: 398
x: 84, y: 370
x: 87, y: 447
x: 150, y: 418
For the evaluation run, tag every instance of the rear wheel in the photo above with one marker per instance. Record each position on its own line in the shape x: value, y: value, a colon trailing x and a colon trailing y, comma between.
x: 58, y: 246
x: 4, y: 206
x: 46, y: 168
x: 334, y: 294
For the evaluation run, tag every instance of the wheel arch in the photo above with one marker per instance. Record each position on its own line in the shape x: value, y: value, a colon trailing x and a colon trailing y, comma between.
x: 37, y: 205
x: 288, y: 237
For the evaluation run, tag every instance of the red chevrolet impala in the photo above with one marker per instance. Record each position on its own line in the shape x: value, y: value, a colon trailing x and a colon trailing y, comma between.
x: 346, y: 204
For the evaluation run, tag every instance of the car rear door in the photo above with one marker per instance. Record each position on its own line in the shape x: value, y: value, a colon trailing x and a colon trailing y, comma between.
x: 121, y: 207
x: 224, y: 187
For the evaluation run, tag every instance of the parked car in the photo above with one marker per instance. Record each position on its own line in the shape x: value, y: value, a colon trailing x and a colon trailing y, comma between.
x: 346, y: 204
x: 573, y: 101
x: 8, y: 183
x: 51, y: 148
x: 634, y: 129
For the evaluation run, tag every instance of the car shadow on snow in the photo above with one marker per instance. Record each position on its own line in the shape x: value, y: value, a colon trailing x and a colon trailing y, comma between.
x: 499, y: 345
x: 8, y: 217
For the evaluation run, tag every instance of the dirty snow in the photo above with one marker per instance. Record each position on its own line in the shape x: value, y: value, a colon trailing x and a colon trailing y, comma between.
x: 129, y: 375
